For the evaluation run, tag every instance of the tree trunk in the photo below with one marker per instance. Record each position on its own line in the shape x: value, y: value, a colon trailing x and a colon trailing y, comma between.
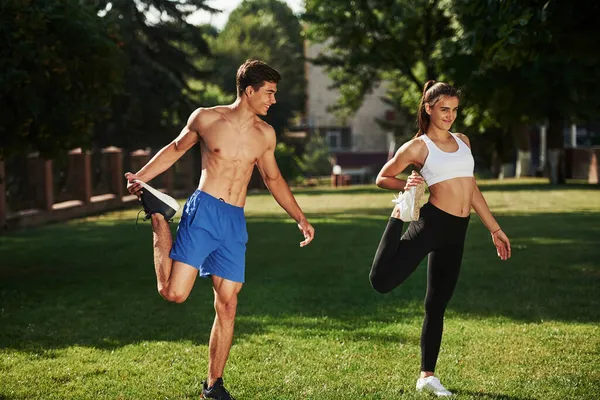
x: 556, y: 149
x: 520, y: 133
x: 502, y: 162
x: 495, y: 164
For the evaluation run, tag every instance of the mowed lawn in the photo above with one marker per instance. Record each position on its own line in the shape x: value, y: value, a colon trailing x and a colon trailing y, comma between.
x: 80, y: 317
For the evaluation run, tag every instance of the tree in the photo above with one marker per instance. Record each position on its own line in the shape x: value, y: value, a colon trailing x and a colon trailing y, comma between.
x: 529, y: 62
x: 59, y: 67
x: 161, y: 70
x: 288, y: 162
x: 269, y: 31
x: 374, y: 40
x: 316, y: 160
x: 520, y: 62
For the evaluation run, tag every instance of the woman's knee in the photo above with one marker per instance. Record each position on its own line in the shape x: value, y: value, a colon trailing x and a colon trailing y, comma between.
x: 435, y: 305
x: 381, y: 285
x: 385, y: 283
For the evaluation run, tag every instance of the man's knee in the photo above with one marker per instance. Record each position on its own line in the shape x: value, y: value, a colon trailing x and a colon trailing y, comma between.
x: 172, y: 295
x: 157, y: 219
x: 226, y: 308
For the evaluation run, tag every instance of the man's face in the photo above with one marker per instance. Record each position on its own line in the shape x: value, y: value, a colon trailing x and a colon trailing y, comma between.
x: 260, y: 100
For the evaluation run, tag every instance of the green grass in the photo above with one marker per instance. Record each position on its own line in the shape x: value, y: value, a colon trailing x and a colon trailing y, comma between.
x: 80, y: 317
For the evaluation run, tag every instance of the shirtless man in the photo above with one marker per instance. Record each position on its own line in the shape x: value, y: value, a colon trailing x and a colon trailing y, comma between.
x: 211, y: 236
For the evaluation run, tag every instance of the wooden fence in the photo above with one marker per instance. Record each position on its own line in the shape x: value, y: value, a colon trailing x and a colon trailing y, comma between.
x: 81, y: 200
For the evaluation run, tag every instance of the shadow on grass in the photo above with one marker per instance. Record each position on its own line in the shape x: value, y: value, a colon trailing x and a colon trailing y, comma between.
x: 515, y: 187
x: 490, y: 396
x: 92, y: 283
x: 357, y: 189
x: 511, y: 185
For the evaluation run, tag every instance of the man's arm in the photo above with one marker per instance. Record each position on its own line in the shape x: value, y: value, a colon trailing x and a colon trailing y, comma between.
x: 267, y: 166
x: 168, y: 155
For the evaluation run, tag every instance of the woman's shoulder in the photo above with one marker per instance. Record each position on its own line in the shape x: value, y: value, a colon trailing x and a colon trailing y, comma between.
x: 415, y: 144
x: 463, y: 137
x: 415, y: 150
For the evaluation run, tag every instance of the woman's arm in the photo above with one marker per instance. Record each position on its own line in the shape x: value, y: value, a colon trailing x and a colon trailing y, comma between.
x: 499, y: 238
x: 409, y: 153
x: 482, y: 209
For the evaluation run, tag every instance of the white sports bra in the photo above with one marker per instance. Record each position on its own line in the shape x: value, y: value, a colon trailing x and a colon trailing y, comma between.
x: 440, y: 165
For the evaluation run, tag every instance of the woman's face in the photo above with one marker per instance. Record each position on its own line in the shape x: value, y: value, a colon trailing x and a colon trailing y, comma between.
x: 443, y: 113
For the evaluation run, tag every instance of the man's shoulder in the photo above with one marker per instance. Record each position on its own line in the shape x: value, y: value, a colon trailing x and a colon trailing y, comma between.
x: 265, y: 131
x: 264, y: 127
x: 209, y: 114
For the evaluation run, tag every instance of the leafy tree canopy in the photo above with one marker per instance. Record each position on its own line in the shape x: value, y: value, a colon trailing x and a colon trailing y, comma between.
x: 60, y: 65
x: 266, y: 30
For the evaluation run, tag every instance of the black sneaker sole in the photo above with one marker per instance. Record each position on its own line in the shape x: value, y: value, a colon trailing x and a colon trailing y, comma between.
x: 155, y: 202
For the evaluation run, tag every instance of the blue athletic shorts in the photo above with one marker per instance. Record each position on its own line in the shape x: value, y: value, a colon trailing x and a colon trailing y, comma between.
x: 212, y: 237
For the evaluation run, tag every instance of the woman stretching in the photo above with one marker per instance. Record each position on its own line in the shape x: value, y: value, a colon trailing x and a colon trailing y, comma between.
x: 438, y: 229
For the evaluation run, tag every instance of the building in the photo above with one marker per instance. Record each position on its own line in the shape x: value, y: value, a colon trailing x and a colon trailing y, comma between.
x: 359, y: 143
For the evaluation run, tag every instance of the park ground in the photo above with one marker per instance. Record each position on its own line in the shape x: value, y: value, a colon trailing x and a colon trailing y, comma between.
x: 80, y: 317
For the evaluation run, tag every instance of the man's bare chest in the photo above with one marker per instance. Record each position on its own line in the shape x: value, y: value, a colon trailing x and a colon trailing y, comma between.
x: 232, y: 145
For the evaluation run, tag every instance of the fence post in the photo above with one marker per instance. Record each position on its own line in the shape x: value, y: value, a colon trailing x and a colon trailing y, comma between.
x: 80, y: 171
x: 168, y: 180
x: 185, y: 172
x: 139, y: 158
x: 3, y: 208
x: 40, y: 172
x: 594, y: 167
x: 116, y: 182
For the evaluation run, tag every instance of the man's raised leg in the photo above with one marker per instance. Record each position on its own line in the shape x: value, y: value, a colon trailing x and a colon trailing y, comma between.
x: 221, y: 335
x: 175, y: 280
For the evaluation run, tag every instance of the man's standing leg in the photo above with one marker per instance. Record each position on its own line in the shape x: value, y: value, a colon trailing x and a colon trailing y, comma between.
x: 221, y: 335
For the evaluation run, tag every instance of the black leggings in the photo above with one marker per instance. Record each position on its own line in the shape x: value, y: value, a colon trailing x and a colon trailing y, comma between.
x: 439, y: 235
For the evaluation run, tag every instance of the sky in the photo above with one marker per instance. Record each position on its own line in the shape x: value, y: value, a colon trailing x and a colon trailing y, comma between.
x: 219, y: 20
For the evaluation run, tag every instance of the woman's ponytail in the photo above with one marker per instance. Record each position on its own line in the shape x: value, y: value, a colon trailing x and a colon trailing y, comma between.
x: 422, y: 116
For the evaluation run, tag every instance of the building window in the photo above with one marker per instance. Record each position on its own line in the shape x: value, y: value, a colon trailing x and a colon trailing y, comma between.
x: 334, y: 140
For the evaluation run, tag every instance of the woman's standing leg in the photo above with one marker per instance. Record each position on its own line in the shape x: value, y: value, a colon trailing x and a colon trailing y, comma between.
x: 442, y: 274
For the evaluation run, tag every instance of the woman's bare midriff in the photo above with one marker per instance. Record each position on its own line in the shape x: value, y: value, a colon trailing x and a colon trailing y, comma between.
x: 453, y: 196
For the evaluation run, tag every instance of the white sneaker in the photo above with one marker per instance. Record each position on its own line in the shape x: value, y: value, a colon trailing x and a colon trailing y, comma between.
x: 432, y: 384
x: 410, y: 203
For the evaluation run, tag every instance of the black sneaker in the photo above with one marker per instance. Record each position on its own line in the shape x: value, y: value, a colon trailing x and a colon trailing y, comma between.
x: 157, y: 202
x: 216, y: 391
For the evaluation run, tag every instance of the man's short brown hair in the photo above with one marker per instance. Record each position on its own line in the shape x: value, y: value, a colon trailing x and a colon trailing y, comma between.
x: 254, y: 73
